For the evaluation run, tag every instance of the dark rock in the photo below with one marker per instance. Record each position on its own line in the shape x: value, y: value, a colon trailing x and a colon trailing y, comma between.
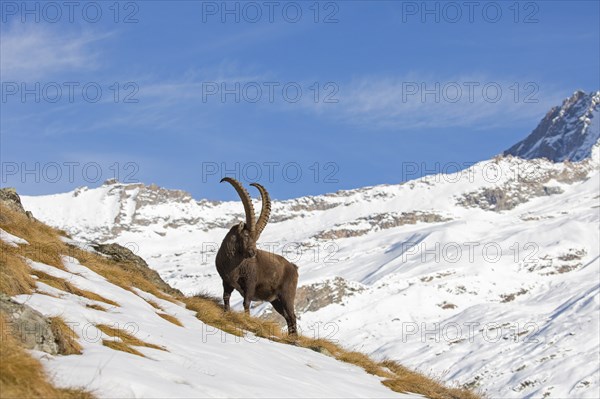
x: 127, y: 258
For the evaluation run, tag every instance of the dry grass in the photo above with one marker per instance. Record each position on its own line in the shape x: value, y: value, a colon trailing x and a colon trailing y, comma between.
x: 126, y: 278
x: 66, y: 338
x: 95, y: 307
x: 44, y: 252
x: 20, y: 225
x: 410, y: 381
x: 47, y: 294
x: 22, y: 376
x: 47, y: 247
x: 171, y: 319
x: 120, y: 346
x: 66, y: 286
x: 45, y: 244
x: 125, y: 337
x: 15, y: 277
x: 154, y: 304
x: 235, y: 323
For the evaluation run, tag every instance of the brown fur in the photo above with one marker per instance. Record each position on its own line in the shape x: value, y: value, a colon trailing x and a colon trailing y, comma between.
x: 257, y: 275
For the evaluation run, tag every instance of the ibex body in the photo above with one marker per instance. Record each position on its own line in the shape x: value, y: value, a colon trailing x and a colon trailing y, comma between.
x: 257, y: 275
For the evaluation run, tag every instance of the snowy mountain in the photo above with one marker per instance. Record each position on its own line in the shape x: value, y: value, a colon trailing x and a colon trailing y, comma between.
x: 567, y: 132
x: 487, y: 277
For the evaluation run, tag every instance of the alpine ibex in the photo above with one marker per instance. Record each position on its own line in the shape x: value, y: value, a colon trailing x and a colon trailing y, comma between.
x: 257, y: 275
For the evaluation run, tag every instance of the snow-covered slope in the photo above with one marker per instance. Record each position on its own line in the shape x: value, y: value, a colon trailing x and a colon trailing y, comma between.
x: 488, y: 277
x: 192, y: 360
x: 567, y: 132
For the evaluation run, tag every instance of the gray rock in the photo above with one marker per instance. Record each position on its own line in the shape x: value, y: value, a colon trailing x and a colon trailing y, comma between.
x: 10, y: 198
x: 29, y: 326
x: 379, y: 221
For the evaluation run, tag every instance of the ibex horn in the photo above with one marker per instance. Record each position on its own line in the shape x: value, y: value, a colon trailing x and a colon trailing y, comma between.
x: 245, y: 197
x: 265, y: 212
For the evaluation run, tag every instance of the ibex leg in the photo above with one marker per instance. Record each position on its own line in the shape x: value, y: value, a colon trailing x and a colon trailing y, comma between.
x: 227, y: 290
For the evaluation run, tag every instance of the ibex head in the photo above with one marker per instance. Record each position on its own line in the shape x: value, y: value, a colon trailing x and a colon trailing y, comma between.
x: 243, y: 236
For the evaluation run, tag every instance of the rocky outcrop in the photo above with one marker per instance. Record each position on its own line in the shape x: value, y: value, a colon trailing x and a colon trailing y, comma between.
x: 378, y: 221
x: 310, y: 298
x: 10, y: 199
x: 126, y: 258
x: 534, y: 180
x: 565, y: 262
x: 29, y: 326
x: 505, y: 198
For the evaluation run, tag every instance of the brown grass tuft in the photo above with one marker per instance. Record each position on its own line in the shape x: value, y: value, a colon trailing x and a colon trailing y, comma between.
x: 95, y: 307
x: 204, y: 295
x: 211, y: 312
x: 66, y: 338
x: 22, y: 376
x: 411, y: 381
x: 120, y: 346
x: 154, y: 304
x: 66, y: 286
x: 171, y: 319
x: 126, y: 337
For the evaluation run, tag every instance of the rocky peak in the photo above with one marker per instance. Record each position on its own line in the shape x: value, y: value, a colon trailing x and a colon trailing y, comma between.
x: 567, y: 132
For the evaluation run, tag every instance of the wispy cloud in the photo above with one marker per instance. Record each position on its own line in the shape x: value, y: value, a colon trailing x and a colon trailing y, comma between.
x: 32, y: 52
x: 377, y: 102
x: 173, y: 104
x: 416, y: 101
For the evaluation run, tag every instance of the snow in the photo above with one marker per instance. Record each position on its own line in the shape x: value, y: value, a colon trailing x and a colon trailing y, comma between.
x: 198, y: 361
x: 10, y: 239
x: 436, y: 296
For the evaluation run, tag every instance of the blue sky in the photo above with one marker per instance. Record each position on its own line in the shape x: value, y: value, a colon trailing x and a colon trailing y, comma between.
x: 345, y: 94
